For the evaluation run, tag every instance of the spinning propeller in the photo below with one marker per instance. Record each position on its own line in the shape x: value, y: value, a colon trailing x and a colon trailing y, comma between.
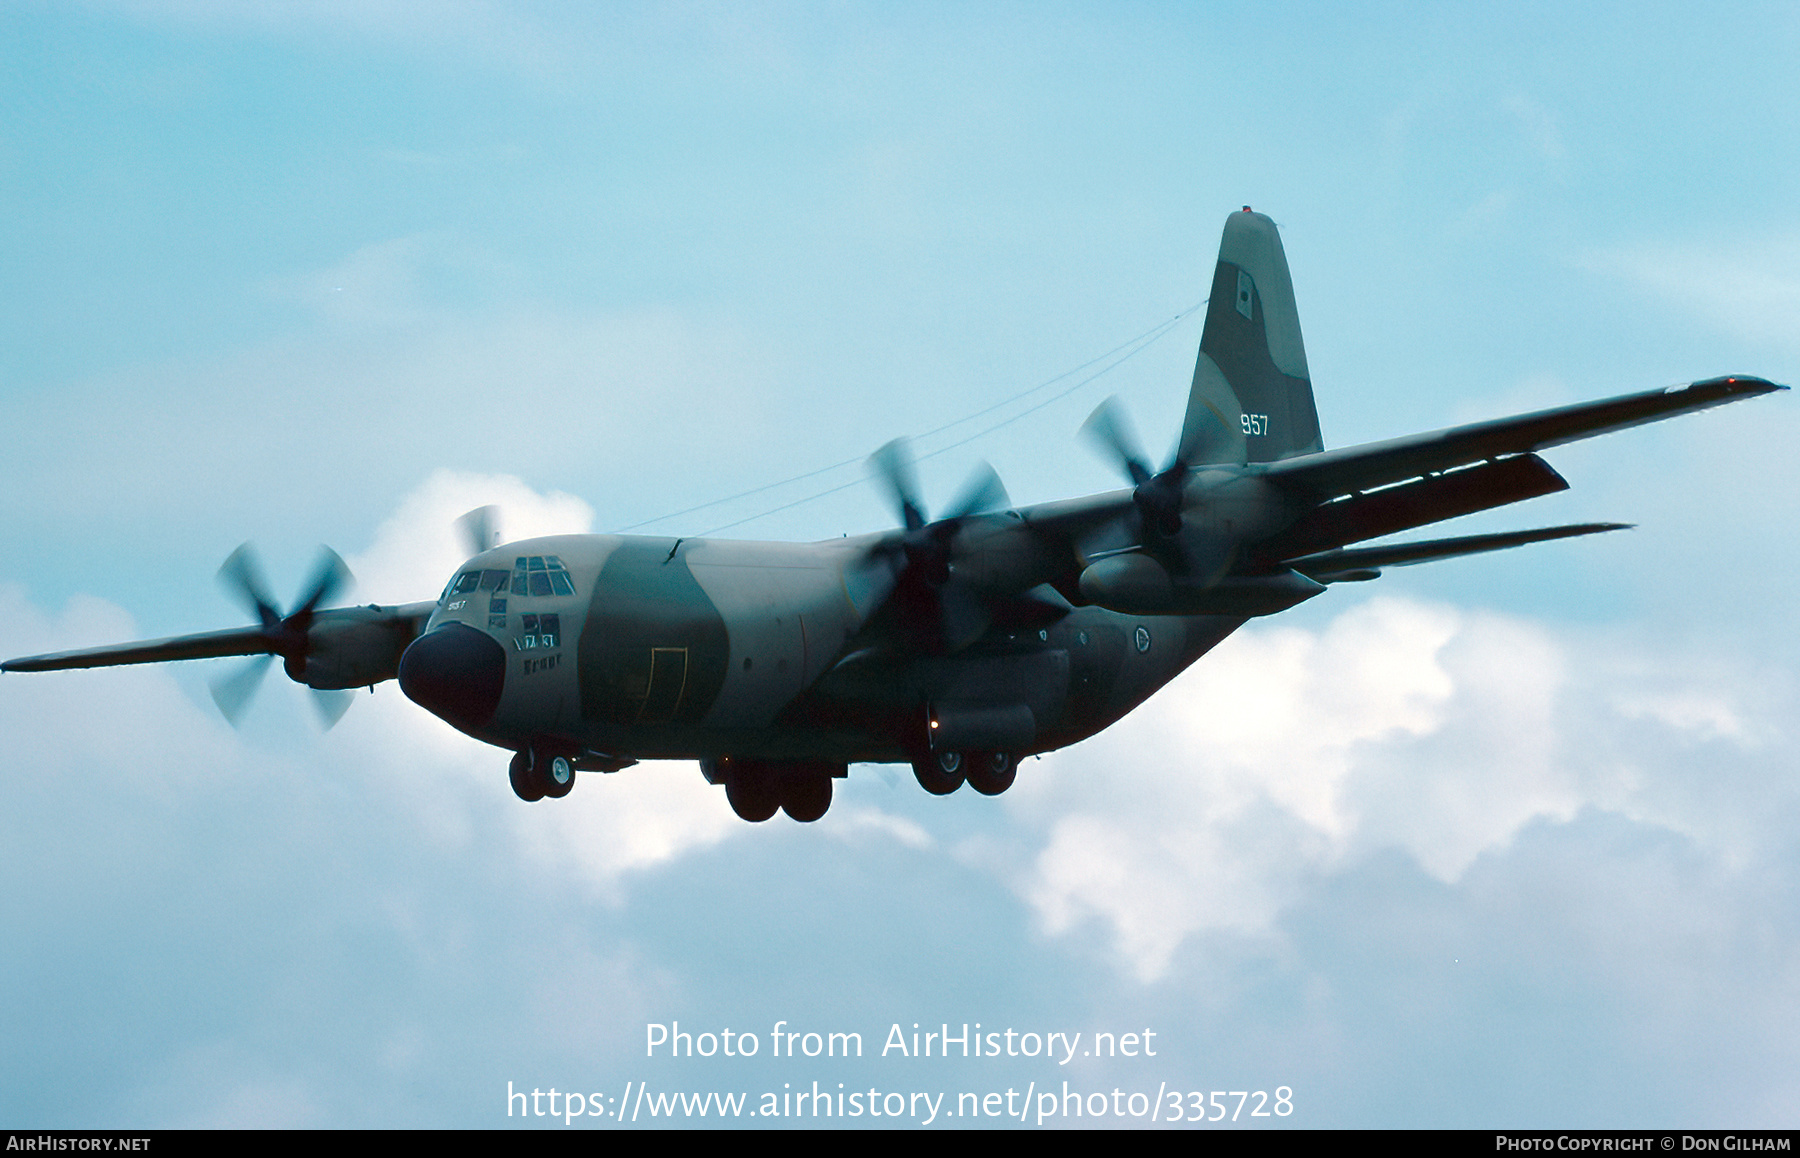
x: 926, y: 544
x: 1198, y: 559
x: 284, y: 636
x: 944, y: 614
x: 1157, y: 496
x: 480, y: 529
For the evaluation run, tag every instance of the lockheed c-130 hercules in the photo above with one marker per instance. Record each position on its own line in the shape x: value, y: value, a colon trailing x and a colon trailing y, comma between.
x: 957, y: 644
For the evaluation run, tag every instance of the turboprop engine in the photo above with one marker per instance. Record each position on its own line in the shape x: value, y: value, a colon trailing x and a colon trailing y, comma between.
x: 1136, y: 584
x: 353, y: 647
x: 1190, y: 529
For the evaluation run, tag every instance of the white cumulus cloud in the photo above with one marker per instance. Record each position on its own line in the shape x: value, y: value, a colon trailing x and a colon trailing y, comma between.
x: 1288, y: 754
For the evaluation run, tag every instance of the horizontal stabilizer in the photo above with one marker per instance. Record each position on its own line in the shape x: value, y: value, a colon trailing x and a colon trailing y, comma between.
x: 1363, y: 562
x: 1359, y: 468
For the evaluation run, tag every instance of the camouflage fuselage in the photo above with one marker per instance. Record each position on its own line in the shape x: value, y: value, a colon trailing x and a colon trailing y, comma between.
x: 698, y: 648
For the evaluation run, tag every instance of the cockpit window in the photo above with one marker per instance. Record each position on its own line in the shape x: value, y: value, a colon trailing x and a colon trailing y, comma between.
x: 541, y: 575
x: 466, y: 582
x: 494, y: 581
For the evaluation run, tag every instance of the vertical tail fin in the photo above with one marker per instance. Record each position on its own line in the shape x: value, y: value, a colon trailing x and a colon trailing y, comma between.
x: 1252, y: 398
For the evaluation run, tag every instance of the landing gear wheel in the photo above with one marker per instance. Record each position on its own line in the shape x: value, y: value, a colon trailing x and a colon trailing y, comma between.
x: 751, y: 793
x: 991, y: 773
x: 939, y: 773
x: 559, y: 777
x: 526, y: 784
x: 806, y: 797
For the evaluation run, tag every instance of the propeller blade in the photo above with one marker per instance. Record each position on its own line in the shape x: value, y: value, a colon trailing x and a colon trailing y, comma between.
x: 283, y: 636
x: 233, y: 693
x: 870, y: 578
x: 1216, y: 439
x: 329, y: 577
x: 1205, y: 561
x: 908, y: 572
x: 894, y: 467
x: 962, y: 616
x: 331, y: 706
x: 1109, y: 430
x: 1158, y: 496
x: 480, y: 529
x: 983, y: 492
x: 242, y: 579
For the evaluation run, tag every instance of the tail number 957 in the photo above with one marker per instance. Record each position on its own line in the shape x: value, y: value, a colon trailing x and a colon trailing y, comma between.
x: 1256, y: 424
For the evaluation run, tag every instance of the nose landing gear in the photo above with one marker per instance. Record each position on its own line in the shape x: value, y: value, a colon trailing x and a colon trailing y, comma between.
x: 536, y: 775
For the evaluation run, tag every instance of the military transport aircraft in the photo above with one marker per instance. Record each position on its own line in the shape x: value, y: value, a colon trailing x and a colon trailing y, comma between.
x: 957, y: 644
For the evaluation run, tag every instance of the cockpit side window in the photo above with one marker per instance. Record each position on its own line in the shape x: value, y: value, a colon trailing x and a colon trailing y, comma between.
x: 466, y: 582
x: 540, y: 631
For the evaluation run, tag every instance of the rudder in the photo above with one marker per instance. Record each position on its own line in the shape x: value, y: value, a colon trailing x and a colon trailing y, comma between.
x: 1252, y: 398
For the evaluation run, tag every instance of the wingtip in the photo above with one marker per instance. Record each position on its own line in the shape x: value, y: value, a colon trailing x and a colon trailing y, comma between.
x: 1737, y: 385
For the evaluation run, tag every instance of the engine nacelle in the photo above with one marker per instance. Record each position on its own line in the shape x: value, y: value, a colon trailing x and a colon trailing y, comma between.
x: 1136, y: 584
x: 345, y: 649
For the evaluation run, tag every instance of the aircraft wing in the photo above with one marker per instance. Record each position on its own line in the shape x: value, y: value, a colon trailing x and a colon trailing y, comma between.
x: 407, y: 619
x: 206, y: 645
x: 1360, y: 468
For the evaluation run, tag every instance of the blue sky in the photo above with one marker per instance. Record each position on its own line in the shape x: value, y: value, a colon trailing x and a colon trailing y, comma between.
x: 1495, y: 842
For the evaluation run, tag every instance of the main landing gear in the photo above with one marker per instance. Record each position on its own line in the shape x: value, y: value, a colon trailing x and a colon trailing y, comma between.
x: 536, y: 775
x: 757, y: 788
x: 989, y: 773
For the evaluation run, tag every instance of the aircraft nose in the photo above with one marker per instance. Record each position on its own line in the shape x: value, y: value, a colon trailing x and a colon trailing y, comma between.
x: 456, y: 673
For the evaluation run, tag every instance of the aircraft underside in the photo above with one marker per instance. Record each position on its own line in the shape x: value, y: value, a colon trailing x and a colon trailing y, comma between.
x: 971, y: 717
